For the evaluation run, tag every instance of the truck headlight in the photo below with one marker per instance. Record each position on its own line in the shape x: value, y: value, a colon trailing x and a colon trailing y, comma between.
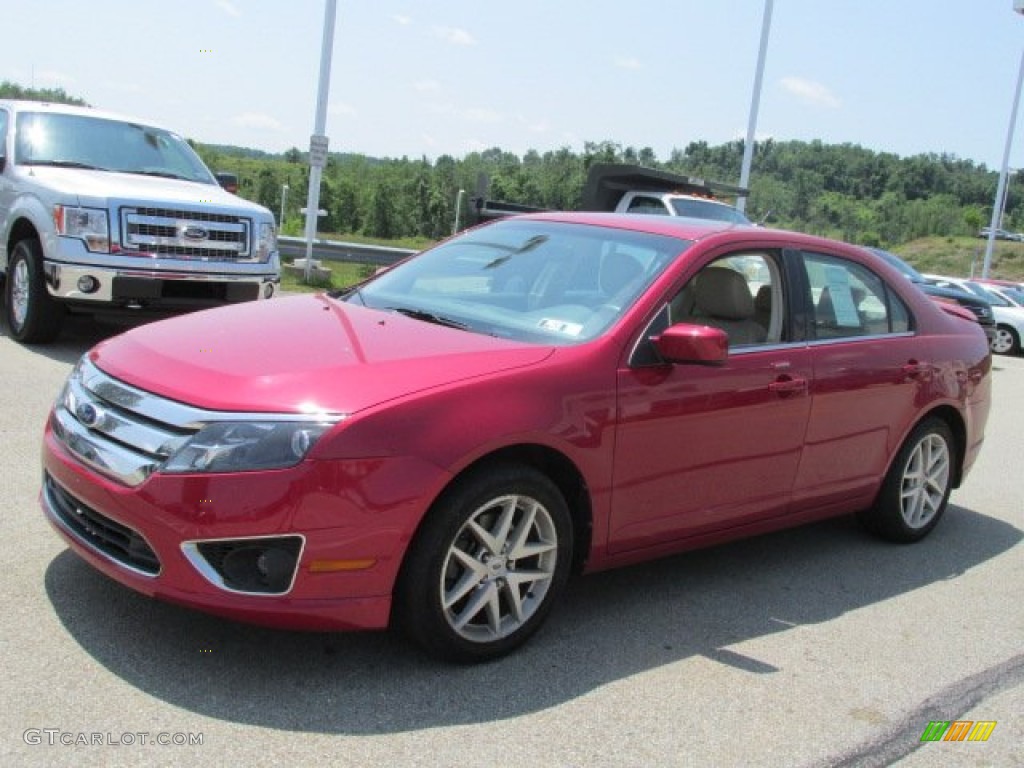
x: 266, y: 240
x: 245, y: 446
x: 87, y: 224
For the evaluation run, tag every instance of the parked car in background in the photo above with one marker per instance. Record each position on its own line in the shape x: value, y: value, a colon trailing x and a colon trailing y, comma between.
x: 1001, y: 234
x: 442, y: 446
x: 981, y: 308
x: 1009, y: 316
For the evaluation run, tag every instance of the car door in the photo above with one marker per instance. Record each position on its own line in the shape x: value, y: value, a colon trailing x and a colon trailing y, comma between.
x: 701, y: 448
x: 868, y: 370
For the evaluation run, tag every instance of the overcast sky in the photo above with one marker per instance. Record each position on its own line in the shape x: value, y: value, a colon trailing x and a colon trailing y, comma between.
x: 412, y: 77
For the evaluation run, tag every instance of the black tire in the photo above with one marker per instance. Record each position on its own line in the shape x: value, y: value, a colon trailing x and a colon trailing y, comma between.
x: 916, y: 489
x: 32, y: 316
x: 463, y: 594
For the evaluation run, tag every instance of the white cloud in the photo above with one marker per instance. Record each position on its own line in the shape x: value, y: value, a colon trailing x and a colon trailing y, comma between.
x: 400, y: 19
x: 455, y: 35
x: 811, y: 92
x: 426, y: 86
x: 123, y: 87
x: 534, y: 125
x: 482, y: 115
x: 341, y: 108
x: 229, y: 8
x: 627, y: 62
x: 52, y: 78
x: 257, y: 120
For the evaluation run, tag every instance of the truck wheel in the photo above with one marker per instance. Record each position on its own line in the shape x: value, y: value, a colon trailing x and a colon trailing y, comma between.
x: 491, y: 560
x: 32, y: 316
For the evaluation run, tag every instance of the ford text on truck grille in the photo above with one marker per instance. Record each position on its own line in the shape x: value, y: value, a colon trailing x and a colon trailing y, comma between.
x: 105, y: 214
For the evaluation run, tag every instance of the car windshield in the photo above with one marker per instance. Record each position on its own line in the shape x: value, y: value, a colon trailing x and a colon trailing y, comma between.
x: 536, y: 281
x: 707, y: 209
x: 82, y: 141
x: 912, y: 274
x: 991, y: 297
x: 1015, y: 295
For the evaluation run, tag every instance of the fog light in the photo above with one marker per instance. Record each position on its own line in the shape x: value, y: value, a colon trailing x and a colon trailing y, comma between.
x: 88, y: 284
x: 256, y: 566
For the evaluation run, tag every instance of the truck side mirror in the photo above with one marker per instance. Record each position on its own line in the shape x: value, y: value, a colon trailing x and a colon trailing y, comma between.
x: 229, y: 181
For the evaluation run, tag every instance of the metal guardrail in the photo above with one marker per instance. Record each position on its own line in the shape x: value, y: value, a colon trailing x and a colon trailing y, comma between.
x: 331, y: 250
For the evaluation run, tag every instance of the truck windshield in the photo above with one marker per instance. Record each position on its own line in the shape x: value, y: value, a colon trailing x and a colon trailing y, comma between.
x: 535, y: 281
x: 82, y: 141
x: 707, y: 209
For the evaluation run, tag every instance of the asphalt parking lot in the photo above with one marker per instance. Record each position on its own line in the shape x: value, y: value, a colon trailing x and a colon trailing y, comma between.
x: 813, y: 647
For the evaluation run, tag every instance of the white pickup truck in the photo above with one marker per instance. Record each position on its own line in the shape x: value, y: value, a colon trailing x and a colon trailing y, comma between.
x: 635, y: 189
x: 105, y: 214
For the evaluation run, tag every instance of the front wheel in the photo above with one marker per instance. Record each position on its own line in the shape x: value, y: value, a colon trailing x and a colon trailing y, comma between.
x: 916, y: 490
x: 1006, y: 341
x: 491, y: 560
x: 32, y: 316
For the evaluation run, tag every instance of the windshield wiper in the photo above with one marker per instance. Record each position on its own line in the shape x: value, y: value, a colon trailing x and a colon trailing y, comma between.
x: 65, y: 164
x: 160, y: 174
x: 429, y: 317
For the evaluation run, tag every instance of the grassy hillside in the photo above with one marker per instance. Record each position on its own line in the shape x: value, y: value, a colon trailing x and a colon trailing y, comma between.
x: 956, y: 256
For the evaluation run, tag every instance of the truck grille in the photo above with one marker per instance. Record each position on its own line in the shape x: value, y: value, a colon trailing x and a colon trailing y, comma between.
x: 184, y: 234
x: 109, y: 537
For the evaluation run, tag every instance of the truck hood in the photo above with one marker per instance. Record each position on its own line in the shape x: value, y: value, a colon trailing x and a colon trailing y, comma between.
x: 96, y: 188
x: 301, y: 354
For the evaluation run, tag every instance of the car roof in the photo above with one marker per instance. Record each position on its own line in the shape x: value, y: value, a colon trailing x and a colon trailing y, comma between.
x: 694, y: 229
x: 24, y: 105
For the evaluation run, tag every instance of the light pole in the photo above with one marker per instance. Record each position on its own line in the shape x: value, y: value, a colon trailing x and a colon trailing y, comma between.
x: 284, y: 198
x: 458, y: 209
x: 997, y: 214
x: 318, y: 142
x: 755, y: 103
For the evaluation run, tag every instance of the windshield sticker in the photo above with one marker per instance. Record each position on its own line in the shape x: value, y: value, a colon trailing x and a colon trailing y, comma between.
x: 838, y: 286
x: 560, y: 326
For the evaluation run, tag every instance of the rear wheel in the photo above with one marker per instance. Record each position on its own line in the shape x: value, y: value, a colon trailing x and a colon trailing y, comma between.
x: 32, y: 316
x: 916, y: 490
x: 1006, y: 341
x: 491, y: 560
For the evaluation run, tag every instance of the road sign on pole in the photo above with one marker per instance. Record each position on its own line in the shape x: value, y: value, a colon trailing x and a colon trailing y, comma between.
x: 318, y: 151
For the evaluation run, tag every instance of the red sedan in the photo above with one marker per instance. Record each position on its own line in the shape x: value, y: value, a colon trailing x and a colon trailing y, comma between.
x: 442, y: 446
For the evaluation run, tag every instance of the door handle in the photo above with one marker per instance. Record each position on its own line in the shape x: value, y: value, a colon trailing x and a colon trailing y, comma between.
x: 788, y: 385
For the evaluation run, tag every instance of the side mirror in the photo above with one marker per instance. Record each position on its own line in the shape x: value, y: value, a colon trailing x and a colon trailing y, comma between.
x: 229, y: 181
x: 684, y: 343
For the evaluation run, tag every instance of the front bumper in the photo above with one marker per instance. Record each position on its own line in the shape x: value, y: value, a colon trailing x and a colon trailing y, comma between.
x: 157, y: 288
x: 354, y: 519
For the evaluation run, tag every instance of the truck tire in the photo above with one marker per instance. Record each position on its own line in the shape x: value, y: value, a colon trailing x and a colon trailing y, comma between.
x: 32, y: 316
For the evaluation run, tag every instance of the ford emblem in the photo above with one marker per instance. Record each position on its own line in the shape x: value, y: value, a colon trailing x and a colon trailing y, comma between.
x: 194, y: 233
x: 88, y: 414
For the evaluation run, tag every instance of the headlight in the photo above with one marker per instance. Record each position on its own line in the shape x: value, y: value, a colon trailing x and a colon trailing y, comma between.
x: 245, y: 446
x: 266, y: 240
x: 87, y: 224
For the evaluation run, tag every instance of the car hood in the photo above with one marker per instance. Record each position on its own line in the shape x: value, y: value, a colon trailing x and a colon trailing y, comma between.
x: 97, y: 188
x: 301, y: 354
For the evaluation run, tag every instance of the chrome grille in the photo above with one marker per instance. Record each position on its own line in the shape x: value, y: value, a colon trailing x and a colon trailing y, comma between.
x: 186, y: 234
x: 127, y: 433
x: 118, y: 430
